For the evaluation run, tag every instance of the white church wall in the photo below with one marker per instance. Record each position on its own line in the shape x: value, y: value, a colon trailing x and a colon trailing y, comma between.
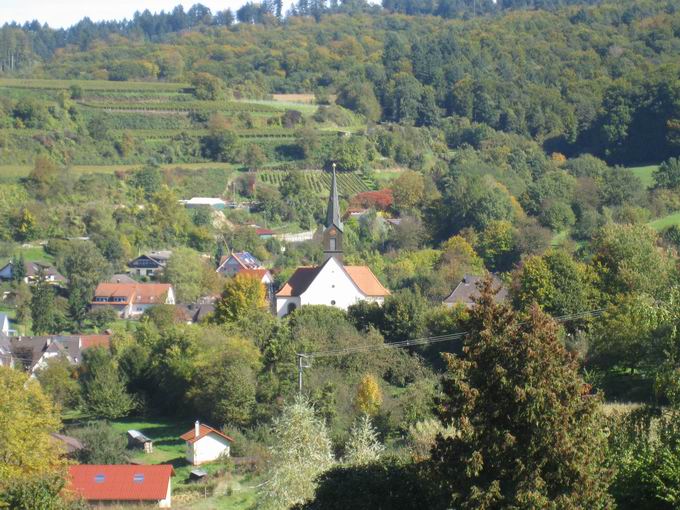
x: 333, y: 287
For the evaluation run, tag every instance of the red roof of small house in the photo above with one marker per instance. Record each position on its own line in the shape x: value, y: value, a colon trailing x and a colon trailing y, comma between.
x: 139, y: 293
x: 255, y: 273
x: 203, y: 430
x: 124, y: 482
x: 88, y: 341
x: 264, y: 231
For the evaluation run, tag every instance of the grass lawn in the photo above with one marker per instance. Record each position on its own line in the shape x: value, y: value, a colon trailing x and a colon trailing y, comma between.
x: 645, y: 174
x: 665, y: 222
x: 232, y: 492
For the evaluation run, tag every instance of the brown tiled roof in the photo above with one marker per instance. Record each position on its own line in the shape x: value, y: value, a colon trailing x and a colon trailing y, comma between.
x: 203, y: 430
x: 368, y: 283
x: 467, y: 291
x: 139, y: 293
x: 299, y: 281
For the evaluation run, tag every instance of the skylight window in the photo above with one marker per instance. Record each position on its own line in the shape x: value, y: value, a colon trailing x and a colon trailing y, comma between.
x: 99, y: 478
x: 138, y: 478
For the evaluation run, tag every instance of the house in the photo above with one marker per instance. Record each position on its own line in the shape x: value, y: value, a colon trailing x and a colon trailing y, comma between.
x: 138, y: 440
x: 122, y: 484
x: 194, y: 313
x: 332, y: 283
x: 32, y: 271
x: 4, y: 325
x: 33, y: 352
x: 131, y: 300
x: 195, y: 202
x: 121, y: 278
x: 150, y: 264
x: 234, y: 263
x: 264, y: 233
x: 70, y: 445
x: 467, y: 291
x: 205, y: 444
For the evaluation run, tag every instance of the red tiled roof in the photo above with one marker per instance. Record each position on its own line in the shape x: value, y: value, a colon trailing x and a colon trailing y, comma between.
x: 255, y: 273
x: 139, y: 293
x: 264, y: 231
x: 88, y: 341
x: 368, y: 283
x: 203, y: 430
x: 123, y: 482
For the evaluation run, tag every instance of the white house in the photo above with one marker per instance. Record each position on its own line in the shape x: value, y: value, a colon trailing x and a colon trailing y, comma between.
x: 122, y: 484
x: 32, y: 270
x: 205, y: 444
x: 131, y: 300
x: 332, y: 283
x: 150, y: 264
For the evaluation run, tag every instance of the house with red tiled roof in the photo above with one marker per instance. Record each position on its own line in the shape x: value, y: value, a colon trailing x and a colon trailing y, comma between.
x: 206, y: 444
x: 131, y: 300
x: 122, y: 484
x: 332, y: 283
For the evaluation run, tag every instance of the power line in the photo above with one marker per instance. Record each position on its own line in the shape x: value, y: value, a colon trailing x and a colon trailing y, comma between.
x: 304, y: 358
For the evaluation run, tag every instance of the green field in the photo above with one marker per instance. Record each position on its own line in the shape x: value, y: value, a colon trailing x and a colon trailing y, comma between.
x: 666, y: 221
x: 231, y: 491
x: 645, y: 174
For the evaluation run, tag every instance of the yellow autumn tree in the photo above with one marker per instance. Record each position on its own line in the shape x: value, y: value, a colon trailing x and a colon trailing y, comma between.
x: 369, y: 397
x: 241, y: 294
x: 27, y: 417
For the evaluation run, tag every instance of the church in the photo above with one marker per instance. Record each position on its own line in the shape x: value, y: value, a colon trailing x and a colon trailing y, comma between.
x: 332, y: 283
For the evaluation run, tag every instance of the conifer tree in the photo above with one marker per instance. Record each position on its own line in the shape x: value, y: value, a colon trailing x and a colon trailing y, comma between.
x: 528, y: 434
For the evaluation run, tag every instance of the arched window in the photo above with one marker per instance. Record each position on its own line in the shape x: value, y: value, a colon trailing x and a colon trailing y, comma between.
x: 291, y: 307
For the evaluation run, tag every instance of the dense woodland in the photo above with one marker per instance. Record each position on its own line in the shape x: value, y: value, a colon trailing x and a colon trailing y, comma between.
x: 501, y: 136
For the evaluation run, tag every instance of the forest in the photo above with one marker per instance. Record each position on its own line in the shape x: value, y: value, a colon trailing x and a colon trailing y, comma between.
x: 537, y: 141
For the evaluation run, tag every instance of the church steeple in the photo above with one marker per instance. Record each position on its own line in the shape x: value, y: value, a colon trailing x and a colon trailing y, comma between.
x: 333, y: 231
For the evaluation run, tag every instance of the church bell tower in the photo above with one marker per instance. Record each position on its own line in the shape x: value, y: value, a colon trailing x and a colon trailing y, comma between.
x: 333, y: 231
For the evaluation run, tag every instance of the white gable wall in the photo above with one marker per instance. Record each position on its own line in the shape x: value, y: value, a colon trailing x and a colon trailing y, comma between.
x: 333, y: 287
x: 208, y: 448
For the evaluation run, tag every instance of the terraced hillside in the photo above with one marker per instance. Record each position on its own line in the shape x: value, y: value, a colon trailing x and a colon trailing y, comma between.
x: 96, y: 122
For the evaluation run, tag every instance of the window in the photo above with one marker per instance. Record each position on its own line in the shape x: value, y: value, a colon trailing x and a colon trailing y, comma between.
x: 333, y: 243
x: 291, y: 307
x: 99, y: 478
x: 333, y: 302
x: 138, y: 478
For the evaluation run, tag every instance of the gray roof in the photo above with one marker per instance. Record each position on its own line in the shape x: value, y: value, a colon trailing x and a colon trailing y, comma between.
x: 138, y: 436
x: 29, y: 349
x: 333, y: 211
x: 467, y: 291
x: 121, y: 278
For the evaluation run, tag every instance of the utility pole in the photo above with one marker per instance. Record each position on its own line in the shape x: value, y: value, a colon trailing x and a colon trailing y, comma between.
x: 302, y: 364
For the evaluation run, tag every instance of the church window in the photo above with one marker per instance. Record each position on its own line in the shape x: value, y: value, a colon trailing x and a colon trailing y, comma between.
x: 333, y: 302
x: 333, y: 244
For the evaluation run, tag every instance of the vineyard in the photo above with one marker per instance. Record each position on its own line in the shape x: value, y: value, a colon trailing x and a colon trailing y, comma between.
x: 349, y: 184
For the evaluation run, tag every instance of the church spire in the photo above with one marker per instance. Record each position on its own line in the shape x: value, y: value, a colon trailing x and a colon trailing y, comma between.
x: 332, y: 234
x: 333, y: 211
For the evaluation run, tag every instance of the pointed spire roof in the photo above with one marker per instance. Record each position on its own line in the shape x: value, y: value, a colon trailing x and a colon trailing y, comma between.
x: 333, y: 212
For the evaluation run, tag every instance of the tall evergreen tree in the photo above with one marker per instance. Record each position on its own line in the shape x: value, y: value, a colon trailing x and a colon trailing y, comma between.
x: 43, y: 307
x: 529, y: 435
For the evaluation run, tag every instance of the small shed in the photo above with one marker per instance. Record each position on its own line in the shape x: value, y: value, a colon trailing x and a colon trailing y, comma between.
x: 198, y: 474
x: 206, y: 444
x: 138, y: 440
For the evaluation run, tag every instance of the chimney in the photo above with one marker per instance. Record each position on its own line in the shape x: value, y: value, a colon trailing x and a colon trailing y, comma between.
x: 197, y: 429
